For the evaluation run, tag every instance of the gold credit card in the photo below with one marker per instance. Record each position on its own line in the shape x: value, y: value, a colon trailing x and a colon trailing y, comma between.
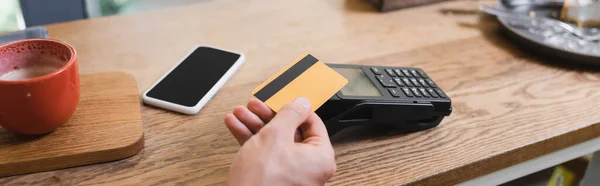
x: 306, y: 77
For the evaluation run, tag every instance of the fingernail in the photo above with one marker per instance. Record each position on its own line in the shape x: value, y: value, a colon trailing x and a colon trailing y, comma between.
x: 303, y: 101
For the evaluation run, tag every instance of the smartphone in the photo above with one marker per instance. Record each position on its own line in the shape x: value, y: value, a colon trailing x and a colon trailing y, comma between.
x: 194, y: 80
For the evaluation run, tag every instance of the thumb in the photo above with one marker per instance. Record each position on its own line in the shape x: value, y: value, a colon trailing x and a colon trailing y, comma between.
x: 290, y: 117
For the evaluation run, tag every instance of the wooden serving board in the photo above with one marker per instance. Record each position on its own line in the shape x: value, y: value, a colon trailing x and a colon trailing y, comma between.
x: 106, y: 126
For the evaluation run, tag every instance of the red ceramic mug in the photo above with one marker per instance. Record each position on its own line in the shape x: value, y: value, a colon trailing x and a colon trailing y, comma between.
x: 39, y: 85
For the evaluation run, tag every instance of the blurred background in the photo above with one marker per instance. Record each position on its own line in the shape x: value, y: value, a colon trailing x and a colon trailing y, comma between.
x: 19, y: 14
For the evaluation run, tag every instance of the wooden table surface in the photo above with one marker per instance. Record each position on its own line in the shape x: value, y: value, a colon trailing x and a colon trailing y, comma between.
x: 509, y: 106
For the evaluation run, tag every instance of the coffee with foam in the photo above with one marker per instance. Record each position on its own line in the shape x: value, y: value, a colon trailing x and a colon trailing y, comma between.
x: 27, y: 73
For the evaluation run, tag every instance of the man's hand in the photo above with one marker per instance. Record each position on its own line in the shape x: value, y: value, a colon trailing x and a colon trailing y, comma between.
x: 288, y: 148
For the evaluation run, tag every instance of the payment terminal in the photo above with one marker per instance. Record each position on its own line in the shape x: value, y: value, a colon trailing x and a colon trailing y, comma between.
x: 404, y: 98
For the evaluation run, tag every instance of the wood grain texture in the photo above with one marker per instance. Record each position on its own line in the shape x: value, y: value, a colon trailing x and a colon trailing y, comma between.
x: 508, y: 106
x: 106, y: 126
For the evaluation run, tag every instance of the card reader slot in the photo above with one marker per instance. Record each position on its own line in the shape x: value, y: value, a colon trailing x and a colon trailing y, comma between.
x: 358, y: 115
x: 407, y: 116
x: 385, y: 112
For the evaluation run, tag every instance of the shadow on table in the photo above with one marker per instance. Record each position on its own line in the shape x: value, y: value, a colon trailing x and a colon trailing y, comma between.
x: 491, y: 30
